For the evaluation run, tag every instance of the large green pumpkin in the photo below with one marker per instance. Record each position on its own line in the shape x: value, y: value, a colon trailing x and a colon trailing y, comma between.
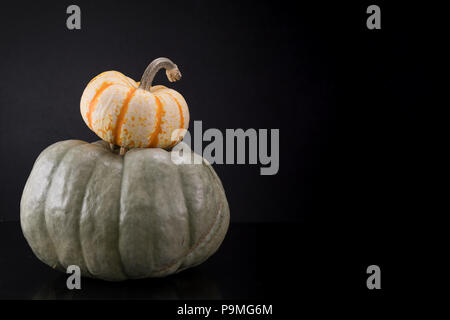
x: 121, y: 217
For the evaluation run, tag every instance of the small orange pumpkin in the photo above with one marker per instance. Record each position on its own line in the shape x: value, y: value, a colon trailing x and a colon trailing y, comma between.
x: 130, y: 114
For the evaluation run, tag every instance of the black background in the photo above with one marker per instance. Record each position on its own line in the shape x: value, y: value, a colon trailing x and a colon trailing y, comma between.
x: 245, y: 65
x: 349, y: 102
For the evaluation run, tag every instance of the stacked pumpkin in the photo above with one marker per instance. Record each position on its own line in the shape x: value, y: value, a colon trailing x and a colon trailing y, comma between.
x: 125, y: 206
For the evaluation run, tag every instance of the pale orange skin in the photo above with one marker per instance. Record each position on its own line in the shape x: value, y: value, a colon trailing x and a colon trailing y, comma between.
x: 121, y: 113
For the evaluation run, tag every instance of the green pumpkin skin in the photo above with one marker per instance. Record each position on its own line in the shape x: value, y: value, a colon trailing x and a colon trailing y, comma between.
x: 122, y: 217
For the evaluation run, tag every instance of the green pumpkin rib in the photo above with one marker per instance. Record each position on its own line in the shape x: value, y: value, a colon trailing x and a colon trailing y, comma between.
x: 199, y: 242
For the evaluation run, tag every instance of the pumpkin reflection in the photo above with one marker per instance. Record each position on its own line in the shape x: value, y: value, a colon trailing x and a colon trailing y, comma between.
x: 191, y: 284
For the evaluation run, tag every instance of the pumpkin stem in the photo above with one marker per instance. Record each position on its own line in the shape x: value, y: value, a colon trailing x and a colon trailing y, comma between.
x: 123, y: 150
x: 172, y: 72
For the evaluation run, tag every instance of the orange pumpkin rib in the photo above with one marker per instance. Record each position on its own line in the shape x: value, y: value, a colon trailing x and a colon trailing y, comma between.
x: 121, y: 117
x: 94, y: 101
x: 154, y: 136
x: 181, y: 119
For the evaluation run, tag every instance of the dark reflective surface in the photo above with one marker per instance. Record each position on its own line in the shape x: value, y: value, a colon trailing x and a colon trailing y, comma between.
x: 270, y: 261
x: 192, y: 285
x: 247, y: 265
